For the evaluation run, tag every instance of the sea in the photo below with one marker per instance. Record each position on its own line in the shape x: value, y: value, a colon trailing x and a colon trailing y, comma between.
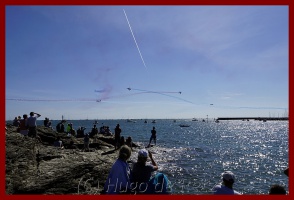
x: 194, y: 157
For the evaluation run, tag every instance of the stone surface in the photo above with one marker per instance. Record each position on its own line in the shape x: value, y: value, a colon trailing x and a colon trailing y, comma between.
x: 35, y: 166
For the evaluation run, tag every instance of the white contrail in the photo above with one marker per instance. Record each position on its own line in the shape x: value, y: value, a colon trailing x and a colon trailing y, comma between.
x: 134, y: 39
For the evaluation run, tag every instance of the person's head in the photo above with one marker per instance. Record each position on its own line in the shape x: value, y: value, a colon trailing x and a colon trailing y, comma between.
x: 32, y: 113
x: 228, y: 178
x: 125, y: 152
x: 117, y: 125
x: 129, y: 139
x: 142, y: 156
x: 25, y: 116
x: 277, y: 189
x: 94, y: 125
x: 153, y: 127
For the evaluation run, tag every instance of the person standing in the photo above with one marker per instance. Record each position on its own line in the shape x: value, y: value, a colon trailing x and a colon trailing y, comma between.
x: 23, y: 127
x: 117, y: 132
x: 227, y: 185
x: 31, y: 123
x: 94, y: 131
x: 153, y: 136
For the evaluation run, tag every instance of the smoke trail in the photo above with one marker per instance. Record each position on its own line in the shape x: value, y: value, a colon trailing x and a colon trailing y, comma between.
x: 53, y: 100
x: 134, y: 39
x: 162, y: 93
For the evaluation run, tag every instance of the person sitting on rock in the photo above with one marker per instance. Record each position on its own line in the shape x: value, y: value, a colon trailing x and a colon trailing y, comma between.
x: 47, y: 122
x: 129, y: 142
x: 15, y: 122
x: 142, y: 176
x: 81, y: 132
x: 107, y: 131
x: 102, y: 130
x: 118, y: 180
x: 58, y: 143
x: 60, y: 127
x: 94, y: 131
x: 122, y: 141
x: 68, y: 128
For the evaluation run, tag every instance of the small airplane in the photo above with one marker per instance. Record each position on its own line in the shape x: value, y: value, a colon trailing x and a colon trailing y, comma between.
x: 180, y: 92
x: 98, y: 100
x: 99, y: 90
x: 211, y: 104
x: 129, y: 88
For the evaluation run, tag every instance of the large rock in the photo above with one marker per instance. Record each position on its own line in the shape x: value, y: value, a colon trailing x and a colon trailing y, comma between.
x: 35, y: 166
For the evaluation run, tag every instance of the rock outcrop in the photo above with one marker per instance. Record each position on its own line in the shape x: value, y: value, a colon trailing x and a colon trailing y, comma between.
x: 35, y: 166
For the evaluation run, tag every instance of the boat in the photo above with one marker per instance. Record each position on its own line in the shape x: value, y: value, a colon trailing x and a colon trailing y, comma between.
x: 145, y: 121
x: 153, y: 121
x: 194, y: 120
x: 184, y: 125
x: 130, y: 120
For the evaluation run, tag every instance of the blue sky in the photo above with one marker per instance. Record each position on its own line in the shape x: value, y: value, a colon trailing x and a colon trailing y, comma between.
x: 227, y: 61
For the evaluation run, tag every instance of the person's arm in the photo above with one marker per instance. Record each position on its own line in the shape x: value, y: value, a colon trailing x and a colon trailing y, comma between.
x: 38, y: 115
x: 155, y: 167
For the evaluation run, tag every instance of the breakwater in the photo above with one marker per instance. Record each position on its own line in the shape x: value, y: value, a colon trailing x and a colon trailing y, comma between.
x: 255, y: 118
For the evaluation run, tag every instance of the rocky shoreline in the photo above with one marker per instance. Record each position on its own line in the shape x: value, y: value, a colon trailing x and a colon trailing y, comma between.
x: 37, y: 167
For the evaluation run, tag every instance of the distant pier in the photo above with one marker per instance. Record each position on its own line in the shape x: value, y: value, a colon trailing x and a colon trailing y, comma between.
x: 255, y: 118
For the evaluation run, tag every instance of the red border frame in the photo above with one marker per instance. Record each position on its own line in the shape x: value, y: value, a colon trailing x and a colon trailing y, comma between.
x: 132, y: 2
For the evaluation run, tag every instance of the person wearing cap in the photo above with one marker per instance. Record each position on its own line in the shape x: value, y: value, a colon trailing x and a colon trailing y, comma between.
x: 31, y: 123
x: 227, y: 185
x: 142, y: 172
x: 118, y: 180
